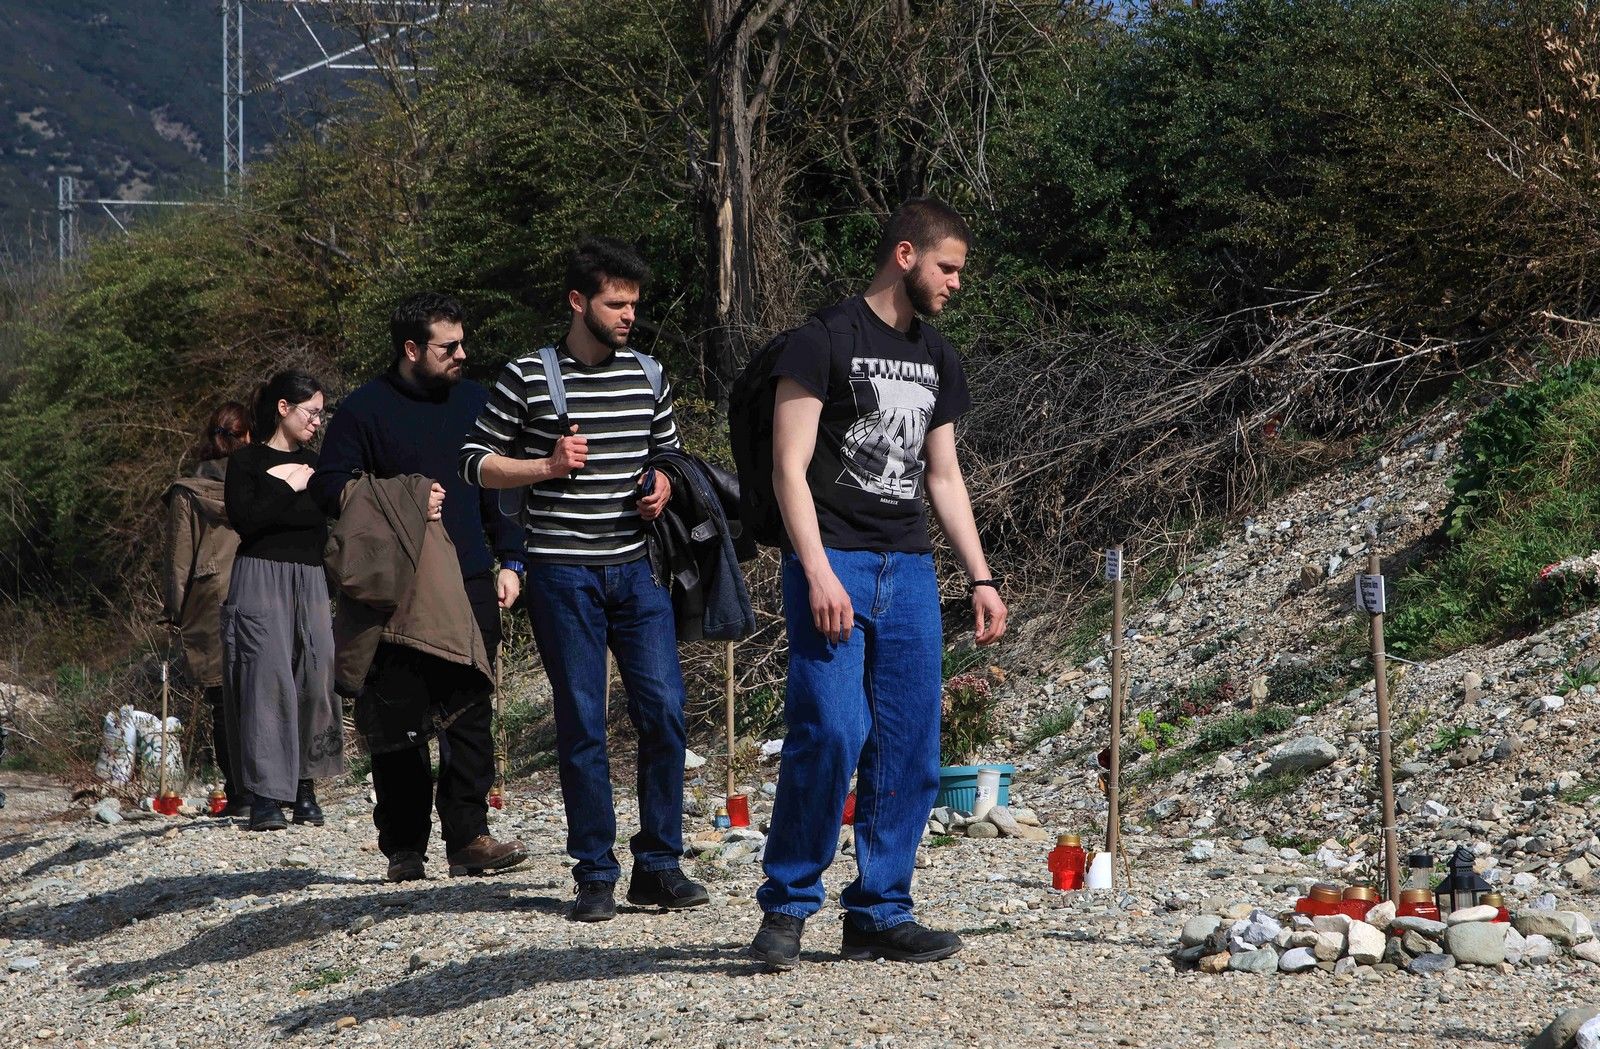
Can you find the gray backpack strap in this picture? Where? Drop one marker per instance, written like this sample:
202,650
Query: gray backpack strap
652,372
550,357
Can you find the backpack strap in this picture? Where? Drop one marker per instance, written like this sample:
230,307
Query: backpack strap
652,372
550,358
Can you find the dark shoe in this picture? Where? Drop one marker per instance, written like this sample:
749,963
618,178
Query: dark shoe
406,866
306,809
906,942
237,810
484,854
667,888
777,943
266,814
595,902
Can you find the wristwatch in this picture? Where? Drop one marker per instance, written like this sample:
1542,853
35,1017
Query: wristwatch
513,565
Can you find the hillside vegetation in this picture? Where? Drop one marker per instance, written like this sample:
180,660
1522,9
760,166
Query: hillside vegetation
1216,245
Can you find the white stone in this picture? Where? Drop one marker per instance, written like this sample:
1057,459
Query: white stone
1381,914
1364,943
1588,1036
1297,959
1482,913
691,760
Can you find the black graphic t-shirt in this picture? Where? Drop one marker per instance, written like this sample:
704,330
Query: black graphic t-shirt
882,391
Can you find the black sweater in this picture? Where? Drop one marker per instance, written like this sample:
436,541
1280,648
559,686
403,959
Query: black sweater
389,428
274,522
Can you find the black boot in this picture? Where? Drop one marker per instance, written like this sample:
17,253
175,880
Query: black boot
266,814
306,809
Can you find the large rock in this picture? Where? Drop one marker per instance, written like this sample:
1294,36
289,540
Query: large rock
108,811
1263,960
1589,1035
1306,754
1296,959
1477,943
1258,929
1381,915
1364,944
1516,946
1415,943
1564,1028
1483,913
1564,927
1588,951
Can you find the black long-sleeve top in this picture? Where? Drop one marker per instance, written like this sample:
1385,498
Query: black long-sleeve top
274,522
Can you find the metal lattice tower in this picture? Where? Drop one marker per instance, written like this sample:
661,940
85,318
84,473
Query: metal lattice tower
66,219
232,95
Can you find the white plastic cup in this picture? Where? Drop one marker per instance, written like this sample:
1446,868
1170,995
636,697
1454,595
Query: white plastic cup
1099,876
988,792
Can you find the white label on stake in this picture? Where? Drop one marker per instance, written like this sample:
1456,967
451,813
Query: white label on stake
1113,563
1370,596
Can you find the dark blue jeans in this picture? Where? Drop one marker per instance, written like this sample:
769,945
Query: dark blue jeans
577,612
869,705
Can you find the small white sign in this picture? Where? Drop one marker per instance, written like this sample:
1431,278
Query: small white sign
1370,595
1113,563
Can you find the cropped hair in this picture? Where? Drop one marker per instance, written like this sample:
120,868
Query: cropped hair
595,259
412,318
225,432
292,386
924,222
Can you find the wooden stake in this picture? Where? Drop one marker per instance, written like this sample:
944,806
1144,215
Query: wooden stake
161,775
1380,684
729,699
1113,774
499,720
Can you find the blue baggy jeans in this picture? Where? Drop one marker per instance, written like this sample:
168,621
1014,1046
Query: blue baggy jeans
577,611
868,705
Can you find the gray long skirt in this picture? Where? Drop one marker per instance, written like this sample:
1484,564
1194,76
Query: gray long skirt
283,718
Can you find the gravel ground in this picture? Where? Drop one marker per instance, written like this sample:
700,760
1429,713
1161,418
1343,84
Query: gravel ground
196,933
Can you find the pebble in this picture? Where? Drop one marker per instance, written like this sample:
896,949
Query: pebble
24,964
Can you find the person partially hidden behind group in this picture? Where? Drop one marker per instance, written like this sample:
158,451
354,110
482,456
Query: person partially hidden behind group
199,563
284,720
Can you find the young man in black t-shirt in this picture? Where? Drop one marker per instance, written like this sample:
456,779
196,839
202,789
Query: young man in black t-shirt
863,426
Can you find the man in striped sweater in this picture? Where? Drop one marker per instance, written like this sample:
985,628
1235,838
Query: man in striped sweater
580,473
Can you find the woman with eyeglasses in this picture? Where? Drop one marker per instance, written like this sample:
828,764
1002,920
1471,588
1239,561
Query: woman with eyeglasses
284,723
200,549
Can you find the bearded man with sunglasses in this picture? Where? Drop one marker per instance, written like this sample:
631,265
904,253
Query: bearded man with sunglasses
409,420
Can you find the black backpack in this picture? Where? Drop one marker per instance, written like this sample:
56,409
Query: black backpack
750,403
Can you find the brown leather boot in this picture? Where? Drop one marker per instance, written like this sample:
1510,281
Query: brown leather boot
485,855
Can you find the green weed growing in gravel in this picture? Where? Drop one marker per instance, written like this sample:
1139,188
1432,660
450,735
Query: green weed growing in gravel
326,976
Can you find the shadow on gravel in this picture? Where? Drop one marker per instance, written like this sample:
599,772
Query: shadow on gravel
81,850
16,845
461,985
304,920
106,912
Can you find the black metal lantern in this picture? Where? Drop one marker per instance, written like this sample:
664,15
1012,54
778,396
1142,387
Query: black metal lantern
1462,887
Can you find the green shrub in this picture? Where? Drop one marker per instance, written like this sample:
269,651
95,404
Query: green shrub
1238,729
1526,496
1297,684
968,723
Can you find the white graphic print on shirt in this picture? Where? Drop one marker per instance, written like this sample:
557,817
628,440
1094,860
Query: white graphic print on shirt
882,451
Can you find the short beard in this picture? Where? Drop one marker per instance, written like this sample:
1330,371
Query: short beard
924,299
605,335
445,377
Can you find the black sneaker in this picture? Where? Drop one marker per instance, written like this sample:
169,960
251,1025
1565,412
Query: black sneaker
407,866
595,902
667,888
777,943
906,942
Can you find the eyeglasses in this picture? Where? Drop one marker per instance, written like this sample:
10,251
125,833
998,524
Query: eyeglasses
450,347
311,416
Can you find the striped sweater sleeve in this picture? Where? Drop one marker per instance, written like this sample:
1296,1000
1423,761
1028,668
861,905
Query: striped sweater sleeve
497,426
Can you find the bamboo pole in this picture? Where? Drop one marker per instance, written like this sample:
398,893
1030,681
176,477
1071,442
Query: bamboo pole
728,673
1113,774
1380,684
499,719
